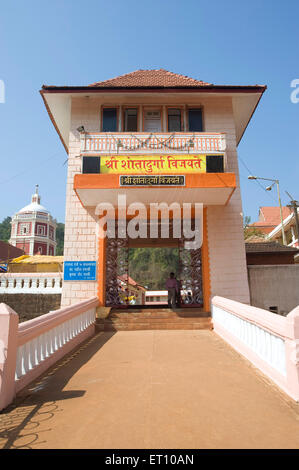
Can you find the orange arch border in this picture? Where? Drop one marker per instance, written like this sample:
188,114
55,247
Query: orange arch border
101,270
206,284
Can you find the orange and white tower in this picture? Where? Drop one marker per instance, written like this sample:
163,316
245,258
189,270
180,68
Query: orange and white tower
33,229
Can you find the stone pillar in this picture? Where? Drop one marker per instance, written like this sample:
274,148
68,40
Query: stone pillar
164,119
140,126
120,111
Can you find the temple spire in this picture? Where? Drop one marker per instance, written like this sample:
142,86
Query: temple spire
36,197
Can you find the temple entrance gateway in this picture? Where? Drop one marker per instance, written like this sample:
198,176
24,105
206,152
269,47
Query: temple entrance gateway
117,277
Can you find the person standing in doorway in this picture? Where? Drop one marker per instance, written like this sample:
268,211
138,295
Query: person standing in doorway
172,287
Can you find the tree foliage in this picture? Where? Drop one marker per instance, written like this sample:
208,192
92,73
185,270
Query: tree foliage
59,238
150,267
249,231
5,229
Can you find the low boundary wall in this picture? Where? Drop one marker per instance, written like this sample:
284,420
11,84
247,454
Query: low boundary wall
274,286
268,340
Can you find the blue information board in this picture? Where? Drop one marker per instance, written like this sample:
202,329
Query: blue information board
79,271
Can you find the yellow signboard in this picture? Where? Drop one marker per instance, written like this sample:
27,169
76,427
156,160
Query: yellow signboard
151,164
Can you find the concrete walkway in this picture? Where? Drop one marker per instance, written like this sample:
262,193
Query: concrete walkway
152,389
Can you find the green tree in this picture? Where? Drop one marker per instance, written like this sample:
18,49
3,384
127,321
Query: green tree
151,266
59,238
249,230
5,229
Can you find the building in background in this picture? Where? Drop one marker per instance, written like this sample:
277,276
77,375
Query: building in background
36,264
269,253
290,229
269,218
7,253
33,229
156,297
130,291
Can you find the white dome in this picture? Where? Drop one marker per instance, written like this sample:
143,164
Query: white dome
34,207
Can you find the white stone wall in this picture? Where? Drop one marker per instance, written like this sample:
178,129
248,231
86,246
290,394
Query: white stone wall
228,271
80,242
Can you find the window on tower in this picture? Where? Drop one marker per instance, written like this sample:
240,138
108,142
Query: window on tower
41,230
174,120
24,229
109,120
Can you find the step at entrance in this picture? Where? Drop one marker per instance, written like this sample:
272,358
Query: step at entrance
155,319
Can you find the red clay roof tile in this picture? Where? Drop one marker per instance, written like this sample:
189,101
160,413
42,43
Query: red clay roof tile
267,247
150,78
271,215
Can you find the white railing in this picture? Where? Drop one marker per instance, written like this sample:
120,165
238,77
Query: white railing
31,283
33,215
268,340
266,345
33,352
28,349
121,143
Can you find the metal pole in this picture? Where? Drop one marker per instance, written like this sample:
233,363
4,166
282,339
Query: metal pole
281,217
294,205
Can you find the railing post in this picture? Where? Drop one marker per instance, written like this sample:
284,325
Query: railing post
292,353
9,321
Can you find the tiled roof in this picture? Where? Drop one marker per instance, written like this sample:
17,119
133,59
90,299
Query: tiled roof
255,239
271,215
150,78
267,247
8,251
129,280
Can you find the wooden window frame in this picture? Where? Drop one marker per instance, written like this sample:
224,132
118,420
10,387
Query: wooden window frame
124,109
181,108
24,226
154,108
143,108
111,106
41,228
202,117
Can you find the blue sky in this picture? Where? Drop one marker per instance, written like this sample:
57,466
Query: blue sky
70,42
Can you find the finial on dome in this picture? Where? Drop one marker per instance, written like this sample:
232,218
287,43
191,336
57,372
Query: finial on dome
36,197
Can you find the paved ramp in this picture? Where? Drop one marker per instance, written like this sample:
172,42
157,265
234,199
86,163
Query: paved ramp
152,389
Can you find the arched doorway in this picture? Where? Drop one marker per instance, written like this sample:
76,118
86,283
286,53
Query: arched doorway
118,283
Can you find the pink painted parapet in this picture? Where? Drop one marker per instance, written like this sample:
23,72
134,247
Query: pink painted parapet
268,340
31,348
292,351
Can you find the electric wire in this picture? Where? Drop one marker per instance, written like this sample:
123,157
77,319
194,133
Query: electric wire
257,181
30,168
